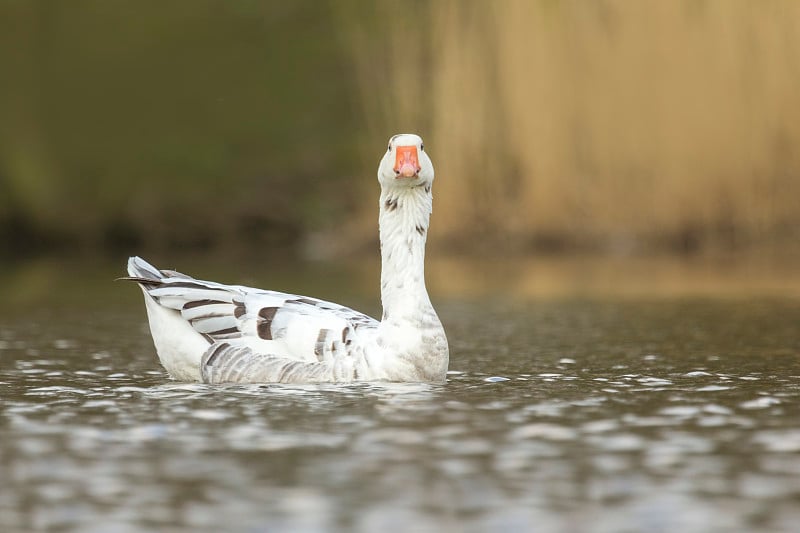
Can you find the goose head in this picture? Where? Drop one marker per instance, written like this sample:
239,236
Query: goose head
405,163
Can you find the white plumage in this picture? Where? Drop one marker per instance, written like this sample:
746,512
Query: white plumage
215,333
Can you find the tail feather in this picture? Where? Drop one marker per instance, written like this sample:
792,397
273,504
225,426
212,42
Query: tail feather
142,272
180,292
139,269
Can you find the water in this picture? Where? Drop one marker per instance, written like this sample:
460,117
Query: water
560,414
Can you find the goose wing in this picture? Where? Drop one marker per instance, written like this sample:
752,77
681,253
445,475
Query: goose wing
265,322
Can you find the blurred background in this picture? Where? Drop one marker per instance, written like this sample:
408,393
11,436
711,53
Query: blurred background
614,254
615,128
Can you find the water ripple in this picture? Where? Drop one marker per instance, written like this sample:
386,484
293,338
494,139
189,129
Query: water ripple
611,435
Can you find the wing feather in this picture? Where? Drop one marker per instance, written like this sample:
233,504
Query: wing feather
227,363
268,323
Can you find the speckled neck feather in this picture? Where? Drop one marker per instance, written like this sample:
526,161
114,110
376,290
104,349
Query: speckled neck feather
404,218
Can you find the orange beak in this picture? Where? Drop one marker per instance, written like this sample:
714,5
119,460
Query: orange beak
406,164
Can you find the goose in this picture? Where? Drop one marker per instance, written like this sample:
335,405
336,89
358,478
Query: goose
213,333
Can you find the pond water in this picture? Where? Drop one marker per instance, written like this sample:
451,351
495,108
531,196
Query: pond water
561,413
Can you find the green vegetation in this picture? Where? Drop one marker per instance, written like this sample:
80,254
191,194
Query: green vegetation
615,126
177,124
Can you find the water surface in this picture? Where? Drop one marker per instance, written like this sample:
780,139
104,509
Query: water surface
560,414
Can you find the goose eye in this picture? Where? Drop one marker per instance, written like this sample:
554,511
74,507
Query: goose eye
421,147
390,148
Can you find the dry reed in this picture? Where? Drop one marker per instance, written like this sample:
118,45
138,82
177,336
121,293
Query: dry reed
616,124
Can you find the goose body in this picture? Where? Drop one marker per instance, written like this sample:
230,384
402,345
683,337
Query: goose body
216,333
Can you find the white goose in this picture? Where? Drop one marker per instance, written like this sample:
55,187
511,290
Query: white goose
214,333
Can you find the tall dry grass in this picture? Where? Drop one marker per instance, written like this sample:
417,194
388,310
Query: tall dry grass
614,124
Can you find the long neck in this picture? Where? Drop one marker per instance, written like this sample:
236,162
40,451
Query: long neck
404,219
